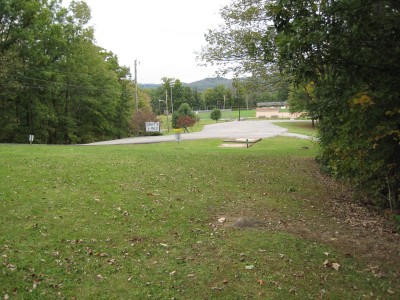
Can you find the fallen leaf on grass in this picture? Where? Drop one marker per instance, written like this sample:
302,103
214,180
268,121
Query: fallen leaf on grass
336,266
11,267
261,282
332,265
221,220
390,291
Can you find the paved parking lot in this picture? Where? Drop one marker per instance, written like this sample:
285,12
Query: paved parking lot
236,129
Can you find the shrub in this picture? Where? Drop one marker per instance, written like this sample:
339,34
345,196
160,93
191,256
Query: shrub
215,114
138,123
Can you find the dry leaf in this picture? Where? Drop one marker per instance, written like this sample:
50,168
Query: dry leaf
333,265
390,291
11,267
261,282
336,266
221,220
327,264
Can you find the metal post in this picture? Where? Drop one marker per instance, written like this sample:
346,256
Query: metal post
136,88
171,85
166,103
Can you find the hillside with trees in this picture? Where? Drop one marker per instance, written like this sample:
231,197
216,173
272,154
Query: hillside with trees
341,61
200,85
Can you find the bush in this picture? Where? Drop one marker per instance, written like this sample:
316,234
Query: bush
215,114
184,117
138,123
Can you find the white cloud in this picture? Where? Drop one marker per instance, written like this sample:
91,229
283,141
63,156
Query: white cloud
161,35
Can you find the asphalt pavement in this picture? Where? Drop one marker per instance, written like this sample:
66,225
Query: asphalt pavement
227,130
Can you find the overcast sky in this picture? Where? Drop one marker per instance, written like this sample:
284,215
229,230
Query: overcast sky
162,35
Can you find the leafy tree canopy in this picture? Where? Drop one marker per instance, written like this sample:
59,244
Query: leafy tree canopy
56,83
215,114
342,58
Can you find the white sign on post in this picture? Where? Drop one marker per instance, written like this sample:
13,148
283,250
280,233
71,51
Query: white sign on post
152,126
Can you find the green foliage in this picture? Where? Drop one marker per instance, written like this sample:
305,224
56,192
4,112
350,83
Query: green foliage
219,97
353,73
183,117
139,119
215,114
342,58
173,91
56,83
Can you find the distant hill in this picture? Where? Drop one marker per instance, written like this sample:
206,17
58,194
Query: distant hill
149,85
200,85
206,83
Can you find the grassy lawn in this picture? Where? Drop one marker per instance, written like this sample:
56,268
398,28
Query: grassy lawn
304,127
169,221
230,115
205,119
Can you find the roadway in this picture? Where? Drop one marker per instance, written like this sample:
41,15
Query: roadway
224,130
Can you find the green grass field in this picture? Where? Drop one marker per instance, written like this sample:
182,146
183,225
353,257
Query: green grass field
303,127
144,222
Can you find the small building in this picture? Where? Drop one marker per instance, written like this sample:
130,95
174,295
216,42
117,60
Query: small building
274,110
280,104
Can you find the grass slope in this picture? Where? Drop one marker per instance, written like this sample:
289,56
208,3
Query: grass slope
141,221
303,127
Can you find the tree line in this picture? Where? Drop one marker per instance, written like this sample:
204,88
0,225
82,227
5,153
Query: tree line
59,85
55,82
220,97
340,60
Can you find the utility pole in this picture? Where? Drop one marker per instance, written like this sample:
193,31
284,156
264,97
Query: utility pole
171,85
166,104
136,88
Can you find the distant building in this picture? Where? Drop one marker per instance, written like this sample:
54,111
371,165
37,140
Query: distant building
282,104
274,110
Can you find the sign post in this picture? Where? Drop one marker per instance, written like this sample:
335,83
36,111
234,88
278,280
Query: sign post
152,126
178,132
31,137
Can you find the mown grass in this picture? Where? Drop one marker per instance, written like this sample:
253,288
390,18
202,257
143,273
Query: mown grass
229,114
300,127
141,221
